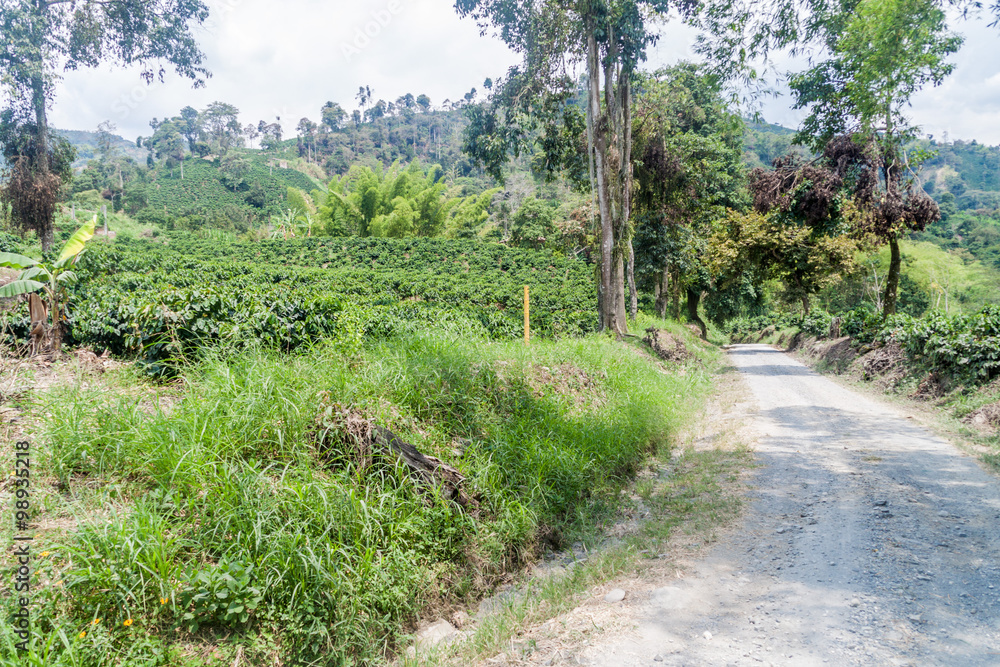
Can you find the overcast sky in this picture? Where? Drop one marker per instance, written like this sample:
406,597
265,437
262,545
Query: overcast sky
287,58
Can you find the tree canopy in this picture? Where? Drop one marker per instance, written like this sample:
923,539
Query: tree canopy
689,169
536,103
879,57
43,36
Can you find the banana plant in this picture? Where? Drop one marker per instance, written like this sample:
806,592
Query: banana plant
52,278
283,225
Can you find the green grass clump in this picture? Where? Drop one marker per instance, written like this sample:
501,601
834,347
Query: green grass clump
225,526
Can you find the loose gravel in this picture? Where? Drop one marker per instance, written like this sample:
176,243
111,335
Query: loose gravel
868,541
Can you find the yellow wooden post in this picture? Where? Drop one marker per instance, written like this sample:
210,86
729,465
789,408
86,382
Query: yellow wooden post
527,329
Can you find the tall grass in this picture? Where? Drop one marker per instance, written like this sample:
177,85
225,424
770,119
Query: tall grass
237,530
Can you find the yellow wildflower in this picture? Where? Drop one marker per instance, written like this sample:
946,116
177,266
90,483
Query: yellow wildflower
82,635
163,600
95,621
44,554
127,622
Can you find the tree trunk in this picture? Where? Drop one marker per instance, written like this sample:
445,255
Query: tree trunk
616,121
675,286
892,280
596,129
41,167
805,305
633,295
625,175
663,293
619,292
693,301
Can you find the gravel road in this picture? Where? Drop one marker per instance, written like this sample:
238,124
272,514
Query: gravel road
868,541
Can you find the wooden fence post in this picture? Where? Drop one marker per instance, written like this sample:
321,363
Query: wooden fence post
527,327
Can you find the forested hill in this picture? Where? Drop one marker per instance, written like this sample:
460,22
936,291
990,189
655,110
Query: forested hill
206,168
86,145
967,169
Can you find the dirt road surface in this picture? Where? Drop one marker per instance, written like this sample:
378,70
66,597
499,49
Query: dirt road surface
868,541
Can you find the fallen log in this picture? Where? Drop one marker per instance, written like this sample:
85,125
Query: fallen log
345,433
428,469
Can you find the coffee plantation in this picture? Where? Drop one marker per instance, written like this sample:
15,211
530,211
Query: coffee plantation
164,299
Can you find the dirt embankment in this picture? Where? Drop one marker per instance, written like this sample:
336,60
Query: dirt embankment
666,346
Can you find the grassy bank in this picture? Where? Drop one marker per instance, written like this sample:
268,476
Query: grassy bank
234,514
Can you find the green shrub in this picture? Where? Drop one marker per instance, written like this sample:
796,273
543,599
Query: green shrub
816,323
9,243
218,594
963,347
163,302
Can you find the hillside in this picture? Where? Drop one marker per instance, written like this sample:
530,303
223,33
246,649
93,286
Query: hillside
86,146
210,194
968,170
227,179
227,185
763,142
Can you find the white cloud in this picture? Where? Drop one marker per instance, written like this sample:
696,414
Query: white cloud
288,58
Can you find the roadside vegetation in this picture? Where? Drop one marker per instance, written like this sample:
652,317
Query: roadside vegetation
241,507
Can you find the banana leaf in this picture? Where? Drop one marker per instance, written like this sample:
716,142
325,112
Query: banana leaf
15,261
19,287
76,242
34,272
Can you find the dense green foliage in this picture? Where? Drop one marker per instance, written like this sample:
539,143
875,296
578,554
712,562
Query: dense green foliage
401,203
965,349
689,172
206,196
164,301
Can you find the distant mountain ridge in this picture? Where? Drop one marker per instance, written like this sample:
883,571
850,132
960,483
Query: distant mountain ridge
85,143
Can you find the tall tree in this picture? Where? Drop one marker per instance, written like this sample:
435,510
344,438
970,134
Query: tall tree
43,36
114,165
251,132
222,123
167,143
611,38
689,169
307,138
802,231
190,125
879,57
332,116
